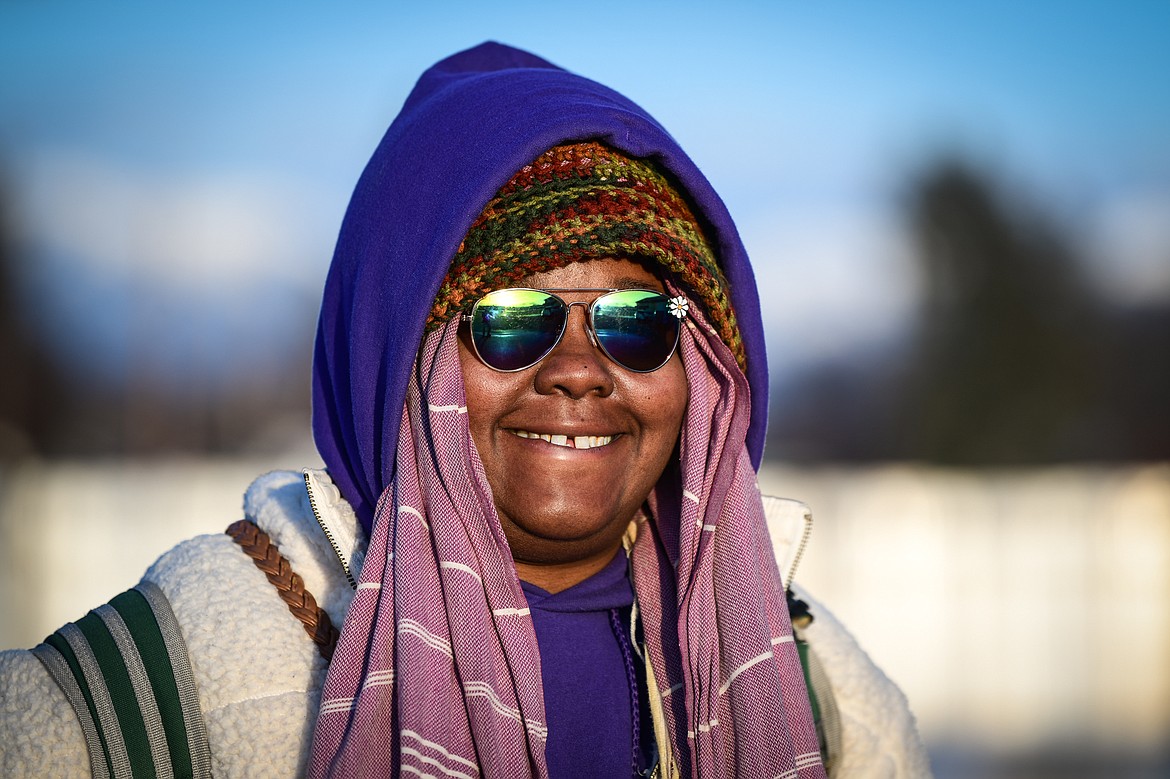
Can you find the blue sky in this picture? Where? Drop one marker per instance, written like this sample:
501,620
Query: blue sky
177,175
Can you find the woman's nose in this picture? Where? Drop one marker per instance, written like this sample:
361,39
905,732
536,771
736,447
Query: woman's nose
575,367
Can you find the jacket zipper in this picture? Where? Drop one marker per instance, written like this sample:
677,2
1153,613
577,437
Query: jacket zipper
327,532
804,536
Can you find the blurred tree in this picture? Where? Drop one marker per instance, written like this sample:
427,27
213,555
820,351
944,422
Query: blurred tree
32,391
1006,365
1013,358
1137,375
52,408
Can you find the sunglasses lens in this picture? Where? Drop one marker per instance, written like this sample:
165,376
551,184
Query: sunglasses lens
515,328
636,328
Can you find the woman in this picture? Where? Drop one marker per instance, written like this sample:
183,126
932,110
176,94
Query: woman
536,362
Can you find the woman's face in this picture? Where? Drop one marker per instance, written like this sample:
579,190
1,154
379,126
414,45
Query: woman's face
561,506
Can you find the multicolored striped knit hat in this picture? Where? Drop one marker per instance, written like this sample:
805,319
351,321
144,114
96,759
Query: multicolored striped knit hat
586,201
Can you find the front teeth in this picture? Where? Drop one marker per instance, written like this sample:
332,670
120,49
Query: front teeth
577,442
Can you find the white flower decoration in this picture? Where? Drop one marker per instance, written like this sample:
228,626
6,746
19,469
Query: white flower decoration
679,306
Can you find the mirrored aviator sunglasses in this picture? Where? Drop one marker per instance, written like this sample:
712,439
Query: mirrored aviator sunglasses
513,329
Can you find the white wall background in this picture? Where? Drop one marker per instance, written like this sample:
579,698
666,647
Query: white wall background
1019,610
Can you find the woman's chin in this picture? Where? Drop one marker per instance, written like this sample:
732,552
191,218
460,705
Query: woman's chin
568,536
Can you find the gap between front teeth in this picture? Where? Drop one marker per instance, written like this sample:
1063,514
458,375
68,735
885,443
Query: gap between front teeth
577,442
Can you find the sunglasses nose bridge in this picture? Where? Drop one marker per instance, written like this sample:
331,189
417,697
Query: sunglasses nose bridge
587,311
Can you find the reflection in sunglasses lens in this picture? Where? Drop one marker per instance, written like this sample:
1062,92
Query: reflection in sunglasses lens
636,328
514,328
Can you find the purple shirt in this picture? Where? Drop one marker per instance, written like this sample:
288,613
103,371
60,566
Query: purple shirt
586,693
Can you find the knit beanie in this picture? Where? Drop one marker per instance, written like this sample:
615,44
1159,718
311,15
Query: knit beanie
586,201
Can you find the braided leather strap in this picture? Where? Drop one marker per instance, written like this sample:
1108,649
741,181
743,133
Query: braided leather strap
257,545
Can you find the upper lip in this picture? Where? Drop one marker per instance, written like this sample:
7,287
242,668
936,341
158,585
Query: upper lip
566,430
568,420
560,424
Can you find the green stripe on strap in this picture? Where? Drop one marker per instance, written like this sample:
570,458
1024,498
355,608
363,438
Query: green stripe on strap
58,658
113,669
140,619
125,671
143,694
103,704
183,678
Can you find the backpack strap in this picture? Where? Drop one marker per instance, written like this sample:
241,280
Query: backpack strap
124,669
288,583
821,699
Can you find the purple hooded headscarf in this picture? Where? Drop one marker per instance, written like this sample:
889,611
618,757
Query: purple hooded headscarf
470,123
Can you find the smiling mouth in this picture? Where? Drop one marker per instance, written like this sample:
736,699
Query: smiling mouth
576,442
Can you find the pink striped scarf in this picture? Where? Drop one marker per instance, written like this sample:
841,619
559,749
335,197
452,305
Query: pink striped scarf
437,671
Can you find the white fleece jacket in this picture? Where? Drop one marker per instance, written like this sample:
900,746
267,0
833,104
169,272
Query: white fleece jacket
259,676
